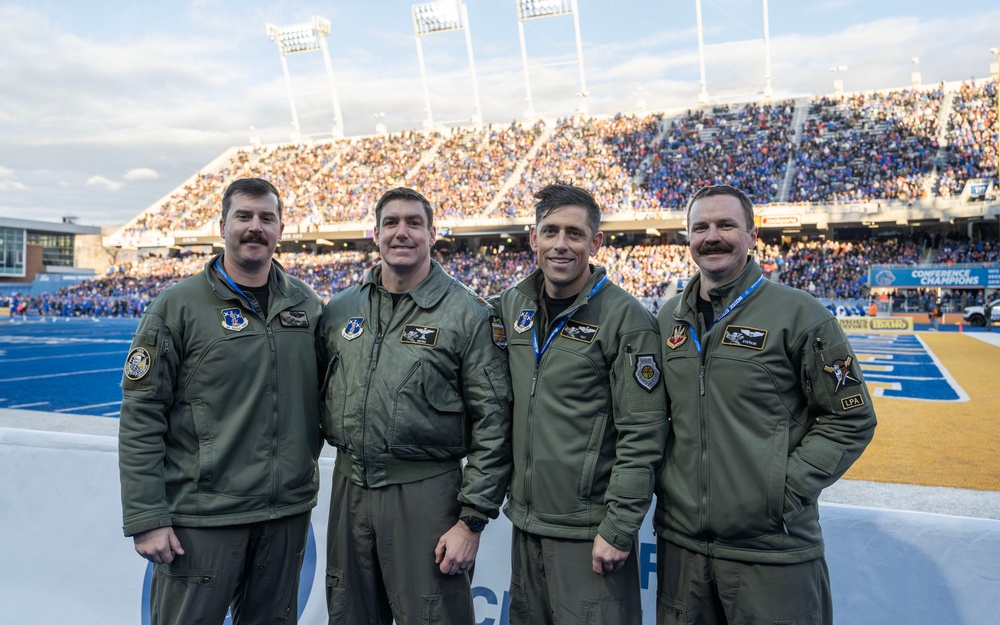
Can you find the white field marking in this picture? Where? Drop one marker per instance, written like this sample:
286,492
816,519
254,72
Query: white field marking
111,414
58,375
37,403
63,356
57,340
107,403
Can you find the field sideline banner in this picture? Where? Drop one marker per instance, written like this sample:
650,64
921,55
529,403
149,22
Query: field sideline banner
876,324
65,559
934,276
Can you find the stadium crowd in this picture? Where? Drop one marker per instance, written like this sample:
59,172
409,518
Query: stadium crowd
830,270
867,147
971,142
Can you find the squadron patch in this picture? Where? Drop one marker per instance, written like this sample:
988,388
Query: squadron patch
499,333
741,336
233,319
293,319
647,374
842,374
524,320
137,364
579,331
354,328
678,336
419,335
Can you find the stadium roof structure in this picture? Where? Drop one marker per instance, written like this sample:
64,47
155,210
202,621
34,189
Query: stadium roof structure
48,227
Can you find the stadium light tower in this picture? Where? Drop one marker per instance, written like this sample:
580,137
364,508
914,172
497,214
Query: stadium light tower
307,38
533,9
768,89
838,83
437,17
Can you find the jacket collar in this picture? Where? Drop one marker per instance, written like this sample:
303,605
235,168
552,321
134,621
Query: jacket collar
721,295
426,294
277,280
533,285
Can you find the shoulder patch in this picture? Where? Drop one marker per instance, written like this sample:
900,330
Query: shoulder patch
647,373
137,363
419,335
355,326
854,401
579,331
842,373
524,320
294,318
678,336
499,333
233,319
742,336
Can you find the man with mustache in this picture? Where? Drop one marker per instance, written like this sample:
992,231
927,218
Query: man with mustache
219,430
768,407
417,403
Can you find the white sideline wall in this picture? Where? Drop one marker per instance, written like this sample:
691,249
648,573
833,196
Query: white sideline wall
63,558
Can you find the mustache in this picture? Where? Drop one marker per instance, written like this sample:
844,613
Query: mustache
253,237
715,247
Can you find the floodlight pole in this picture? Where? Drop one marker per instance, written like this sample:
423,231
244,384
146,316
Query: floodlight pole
430,18
703,96
306,38
768,90
530,9
579,59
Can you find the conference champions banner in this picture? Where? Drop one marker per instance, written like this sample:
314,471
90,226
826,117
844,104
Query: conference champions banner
935,276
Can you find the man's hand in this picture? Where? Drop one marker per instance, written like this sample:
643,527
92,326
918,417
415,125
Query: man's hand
456,550
607,559
159,545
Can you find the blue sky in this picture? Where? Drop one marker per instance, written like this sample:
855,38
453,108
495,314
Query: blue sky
105,107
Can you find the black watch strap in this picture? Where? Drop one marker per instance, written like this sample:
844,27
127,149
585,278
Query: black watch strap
475,524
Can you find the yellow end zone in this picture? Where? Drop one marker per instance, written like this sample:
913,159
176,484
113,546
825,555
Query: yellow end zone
938,443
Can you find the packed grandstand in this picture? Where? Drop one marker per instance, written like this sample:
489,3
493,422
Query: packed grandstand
848,180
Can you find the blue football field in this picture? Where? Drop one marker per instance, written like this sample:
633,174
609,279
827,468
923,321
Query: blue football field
71,366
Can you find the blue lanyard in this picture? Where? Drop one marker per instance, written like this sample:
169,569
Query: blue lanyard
236,287
534,331
729,309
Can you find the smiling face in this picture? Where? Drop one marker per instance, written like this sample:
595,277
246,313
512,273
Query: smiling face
563,244
404,236
720,239
251,231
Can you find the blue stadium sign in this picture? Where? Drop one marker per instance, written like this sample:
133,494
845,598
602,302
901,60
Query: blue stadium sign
935,276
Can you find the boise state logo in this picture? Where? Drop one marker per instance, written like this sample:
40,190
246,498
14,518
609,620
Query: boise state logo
524,319
354,328
233,319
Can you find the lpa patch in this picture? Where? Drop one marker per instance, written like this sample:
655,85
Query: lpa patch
233,319
854,401
647,374
137,363
524,319
419,335
741,336
499,333
842,374
293,319
355,326
579,331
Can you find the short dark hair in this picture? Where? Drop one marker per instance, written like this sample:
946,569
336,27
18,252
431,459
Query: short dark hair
403,193
724,189
250,187
559,194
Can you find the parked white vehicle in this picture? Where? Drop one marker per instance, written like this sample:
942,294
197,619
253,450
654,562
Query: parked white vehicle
974,315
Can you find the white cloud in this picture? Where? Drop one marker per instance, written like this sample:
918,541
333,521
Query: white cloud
9,181
141,173
101,181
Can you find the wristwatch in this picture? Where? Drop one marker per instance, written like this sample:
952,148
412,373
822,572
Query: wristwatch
476,524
